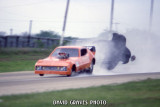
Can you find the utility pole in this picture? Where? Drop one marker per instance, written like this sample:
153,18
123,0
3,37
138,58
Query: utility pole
64,23
30,27
11,31
111,17
151,15
30,31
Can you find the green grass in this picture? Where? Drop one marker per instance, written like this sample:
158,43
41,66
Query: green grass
134,94
20,59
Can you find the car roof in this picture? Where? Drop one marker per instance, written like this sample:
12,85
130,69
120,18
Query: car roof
77,47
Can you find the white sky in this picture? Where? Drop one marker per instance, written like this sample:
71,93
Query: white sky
86,18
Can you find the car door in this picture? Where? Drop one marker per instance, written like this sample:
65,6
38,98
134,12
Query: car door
84,58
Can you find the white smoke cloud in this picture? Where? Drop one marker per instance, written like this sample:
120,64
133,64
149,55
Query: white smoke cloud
144,45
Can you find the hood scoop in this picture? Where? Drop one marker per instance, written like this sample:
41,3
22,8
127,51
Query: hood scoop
63,55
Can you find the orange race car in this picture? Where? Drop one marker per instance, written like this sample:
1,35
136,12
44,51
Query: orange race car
67,60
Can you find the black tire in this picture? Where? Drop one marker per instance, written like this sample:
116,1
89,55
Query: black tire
41,74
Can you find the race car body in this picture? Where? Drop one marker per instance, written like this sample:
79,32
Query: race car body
66,60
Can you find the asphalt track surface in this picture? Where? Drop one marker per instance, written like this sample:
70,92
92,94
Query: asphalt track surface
28,82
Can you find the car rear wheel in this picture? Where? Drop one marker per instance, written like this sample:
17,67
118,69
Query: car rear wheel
90,68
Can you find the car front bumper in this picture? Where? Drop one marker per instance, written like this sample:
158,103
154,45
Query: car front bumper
68,72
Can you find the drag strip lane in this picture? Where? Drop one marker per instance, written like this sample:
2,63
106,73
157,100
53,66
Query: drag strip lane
28,82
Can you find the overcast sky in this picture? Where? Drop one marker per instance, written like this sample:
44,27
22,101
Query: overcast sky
86,18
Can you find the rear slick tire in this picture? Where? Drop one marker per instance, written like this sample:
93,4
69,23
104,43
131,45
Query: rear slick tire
90,71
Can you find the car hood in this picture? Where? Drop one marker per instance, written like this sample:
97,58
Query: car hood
53,61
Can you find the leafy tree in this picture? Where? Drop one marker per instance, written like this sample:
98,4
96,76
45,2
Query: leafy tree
70,38
48,34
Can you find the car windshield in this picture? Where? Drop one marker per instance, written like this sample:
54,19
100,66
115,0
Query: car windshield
71,52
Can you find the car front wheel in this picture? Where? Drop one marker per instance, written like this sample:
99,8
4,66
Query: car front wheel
41,74
73,72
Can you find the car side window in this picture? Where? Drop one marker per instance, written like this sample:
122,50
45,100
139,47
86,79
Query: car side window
83,52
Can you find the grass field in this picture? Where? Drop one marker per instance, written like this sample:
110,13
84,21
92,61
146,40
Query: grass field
20,59
134,94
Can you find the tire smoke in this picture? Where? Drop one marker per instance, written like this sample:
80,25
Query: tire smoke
144,45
